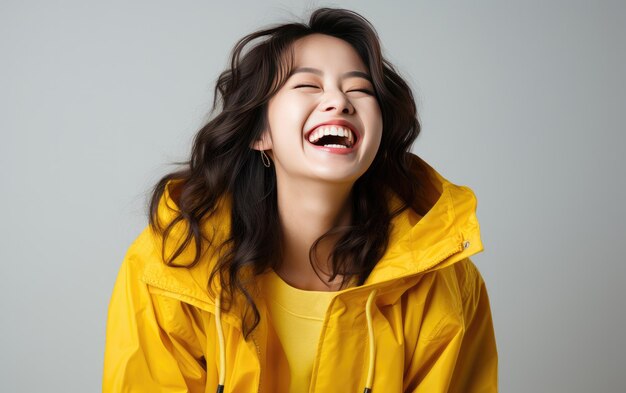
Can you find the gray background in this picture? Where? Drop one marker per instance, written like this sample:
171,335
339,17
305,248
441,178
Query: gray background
521,101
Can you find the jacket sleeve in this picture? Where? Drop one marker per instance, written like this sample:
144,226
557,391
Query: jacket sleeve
152,343
459,357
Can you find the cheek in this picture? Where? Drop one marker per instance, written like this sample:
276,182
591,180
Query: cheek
285,112
375,120
286,119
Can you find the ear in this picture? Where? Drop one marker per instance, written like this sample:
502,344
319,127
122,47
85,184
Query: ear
264,142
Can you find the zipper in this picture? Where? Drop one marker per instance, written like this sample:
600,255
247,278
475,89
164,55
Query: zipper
258,350
459,248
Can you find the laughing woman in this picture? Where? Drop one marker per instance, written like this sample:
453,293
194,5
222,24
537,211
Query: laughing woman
303,248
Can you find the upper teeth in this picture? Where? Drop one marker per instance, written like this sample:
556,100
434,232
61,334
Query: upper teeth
331,130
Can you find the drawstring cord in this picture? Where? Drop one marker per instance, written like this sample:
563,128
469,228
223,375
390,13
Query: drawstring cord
372,342
220,339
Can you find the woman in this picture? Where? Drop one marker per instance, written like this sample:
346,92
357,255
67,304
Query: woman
303,247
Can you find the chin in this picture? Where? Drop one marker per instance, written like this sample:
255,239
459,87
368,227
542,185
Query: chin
339,177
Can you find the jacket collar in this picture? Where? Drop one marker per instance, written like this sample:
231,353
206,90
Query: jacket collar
447,233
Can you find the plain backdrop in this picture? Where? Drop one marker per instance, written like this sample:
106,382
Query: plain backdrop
521,101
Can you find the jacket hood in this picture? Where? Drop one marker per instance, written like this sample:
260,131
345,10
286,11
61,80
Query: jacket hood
447,233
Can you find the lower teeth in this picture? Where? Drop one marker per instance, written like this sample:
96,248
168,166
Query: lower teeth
333,145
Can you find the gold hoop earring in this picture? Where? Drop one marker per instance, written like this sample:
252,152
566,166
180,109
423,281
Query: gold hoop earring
265,159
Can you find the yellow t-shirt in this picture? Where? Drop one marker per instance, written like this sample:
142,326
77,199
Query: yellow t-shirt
297,316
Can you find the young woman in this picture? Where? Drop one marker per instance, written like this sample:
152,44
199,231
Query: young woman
303,248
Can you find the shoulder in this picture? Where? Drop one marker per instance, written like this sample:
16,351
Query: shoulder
471,289
141,252
468,276
444,297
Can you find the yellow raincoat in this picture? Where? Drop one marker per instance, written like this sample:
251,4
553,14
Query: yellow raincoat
420,323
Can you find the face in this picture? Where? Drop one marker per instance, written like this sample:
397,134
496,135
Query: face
329,83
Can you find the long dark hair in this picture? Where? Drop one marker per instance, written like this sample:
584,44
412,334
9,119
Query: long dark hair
223,163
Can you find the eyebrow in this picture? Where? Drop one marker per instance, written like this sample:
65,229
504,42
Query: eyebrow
349,74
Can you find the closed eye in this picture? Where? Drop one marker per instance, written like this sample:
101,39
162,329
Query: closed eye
366,91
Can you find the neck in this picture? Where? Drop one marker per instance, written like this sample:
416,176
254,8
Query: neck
308,209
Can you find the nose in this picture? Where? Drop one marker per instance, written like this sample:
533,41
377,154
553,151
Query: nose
337,101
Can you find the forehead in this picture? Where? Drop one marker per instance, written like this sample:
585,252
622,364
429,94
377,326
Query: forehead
323,52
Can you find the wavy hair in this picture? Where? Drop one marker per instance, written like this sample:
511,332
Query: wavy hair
222,163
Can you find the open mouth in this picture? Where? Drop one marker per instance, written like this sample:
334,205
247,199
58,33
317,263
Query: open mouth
333,136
